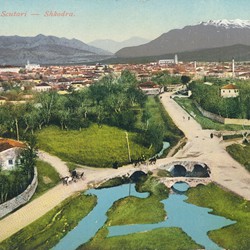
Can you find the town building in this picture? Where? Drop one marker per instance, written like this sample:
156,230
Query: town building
150,88
42,87
229,91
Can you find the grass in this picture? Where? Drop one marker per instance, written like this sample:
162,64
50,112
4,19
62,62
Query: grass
240,153
229,205
131,210
47,178
160,239
205,123
163,173
93,146
50,228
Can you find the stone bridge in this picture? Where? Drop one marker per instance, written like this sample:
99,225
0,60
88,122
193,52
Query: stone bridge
187,169
191,181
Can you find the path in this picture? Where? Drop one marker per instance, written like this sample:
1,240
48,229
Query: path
200,147
225,171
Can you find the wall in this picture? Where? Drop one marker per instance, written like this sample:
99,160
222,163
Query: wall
210,115
21,199
223,120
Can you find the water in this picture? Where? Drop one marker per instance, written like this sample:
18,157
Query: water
89,225
195,221
164,146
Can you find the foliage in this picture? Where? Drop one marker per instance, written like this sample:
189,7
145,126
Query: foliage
110,100
164,79
12,183
240,153
208,97
163,173
206,123
157,125
222,203
185,79
50,228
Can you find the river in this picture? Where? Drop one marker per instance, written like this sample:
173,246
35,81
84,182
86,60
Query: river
195,221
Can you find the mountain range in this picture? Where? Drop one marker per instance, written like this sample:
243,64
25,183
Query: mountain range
206,41
41,49
114,46
205,35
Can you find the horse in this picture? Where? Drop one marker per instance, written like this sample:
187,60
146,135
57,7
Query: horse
64,180
152,160
81,175
69,180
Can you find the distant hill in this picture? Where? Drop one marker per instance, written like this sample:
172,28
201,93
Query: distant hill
205,35
221,54
114,46
42,49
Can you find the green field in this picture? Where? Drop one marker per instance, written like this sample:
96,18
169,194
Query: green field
205,123
231,206
240,153
93,146
46,232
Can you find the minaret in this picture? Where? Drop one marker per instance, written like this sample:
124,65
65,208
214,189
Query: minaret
195,65
233,73
176,59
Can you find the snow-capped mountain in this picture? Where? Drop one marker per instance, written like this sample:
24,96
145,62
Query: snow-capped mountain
205,35
237,23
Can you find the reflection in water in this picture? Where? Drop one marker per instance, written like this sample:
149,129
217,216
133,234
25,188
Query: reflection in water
195,221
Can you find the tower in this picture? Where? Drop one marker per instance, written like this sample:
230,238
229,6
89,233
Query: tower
176,59
233,73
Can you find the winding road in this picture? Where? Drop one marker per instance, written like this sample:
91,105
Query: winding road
200,147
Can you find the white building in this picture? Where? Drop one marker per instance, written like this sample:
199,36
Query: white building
150,88
9,152
42,87
229,91
29,66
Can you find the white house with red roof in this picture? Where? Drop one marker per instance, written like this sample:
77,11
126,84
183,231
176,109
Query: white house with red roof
229,91
151,88
9,152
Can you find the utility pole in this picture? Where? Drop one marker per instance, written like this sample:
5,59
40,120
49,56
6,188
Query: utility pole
129,157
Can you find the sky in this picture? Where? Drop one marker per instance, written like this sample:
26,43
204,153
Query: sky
113,19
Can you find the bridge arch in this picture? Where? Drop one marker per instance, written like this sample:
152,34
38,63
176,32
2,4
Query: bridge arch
135,177
200,171
178,170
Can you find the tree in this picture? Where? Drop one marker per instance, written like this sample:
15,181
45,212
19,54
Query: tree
27,157
47,103
185,79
